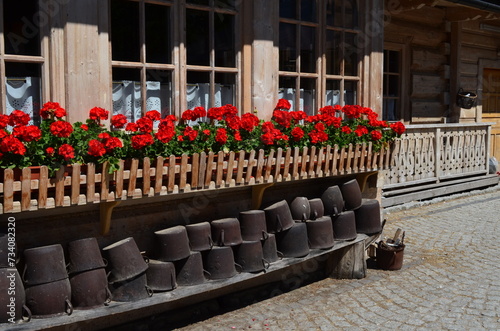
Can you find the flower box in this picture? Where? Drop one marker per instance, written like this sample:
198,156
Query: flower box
142,178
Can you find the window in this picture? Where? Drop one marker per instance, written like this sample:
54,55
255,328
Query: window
306,64
298,53
142,53
392,85
211,56
173,55
22,61
395,106
341,54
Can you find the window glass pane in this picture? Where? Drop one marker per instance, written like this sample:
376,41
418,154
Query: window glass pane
127,93
288,51
125,31
198,89
231,4
157,22
389,110
350,93
334,12
224,40
393,61
332,93
308,95
393,85
197,37
308,49
351,14
199,2
308,10
23,89
21,27
350,55
159,91
288,8
333,52
287,90
225,84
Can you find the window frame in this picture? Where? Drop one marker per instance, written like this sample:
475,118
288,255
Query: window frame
212,69
42,60
321,75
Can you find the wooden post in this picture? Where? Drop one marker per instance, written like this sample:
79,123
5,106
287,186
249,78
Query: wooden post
348,262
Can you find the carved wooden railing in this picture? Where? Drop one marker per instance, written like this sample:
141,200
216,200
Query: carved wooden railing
432,153
81,184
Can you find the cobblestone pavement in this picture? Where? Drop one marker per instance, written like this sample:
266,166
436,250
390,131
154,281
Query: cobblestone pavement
449,280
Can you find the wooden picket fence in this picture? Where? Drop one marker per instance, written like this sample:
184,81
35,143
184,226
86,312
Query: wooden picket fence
81,184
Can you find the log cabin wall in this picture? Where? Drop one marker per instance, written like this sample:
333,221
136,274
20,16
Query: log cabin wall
421,36
479,68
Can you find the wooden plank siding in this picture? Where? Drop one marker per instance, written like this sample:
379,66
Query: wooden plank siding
424,31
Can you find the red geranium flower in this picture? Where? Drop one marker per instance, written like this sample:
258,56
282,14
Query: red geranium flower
190,133
84,127
376,135
283,105
18,117
229,111
50,151
112,143
297,133
61,129
361,130
144,125
4,121
215,113
237,136
98,113
188,115
221,136
52,108
142,140
132,127
165,135
119,121
249,121
96,148
27,133
153,115
234,123
398,127
11,144
346,129
199,112
66,151
283,118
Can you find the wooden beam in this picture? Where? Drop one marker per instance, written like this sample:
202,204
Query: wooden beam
460,14
405,5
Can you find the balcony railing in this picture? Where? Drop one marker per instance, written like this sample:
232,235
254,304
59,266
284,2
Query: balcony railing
433,153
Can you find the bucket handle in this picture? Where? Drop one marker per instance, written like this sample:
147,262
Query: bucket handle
109,297
239,267
69,307
266,264
149,290
265,235
28,314
172,280
280,255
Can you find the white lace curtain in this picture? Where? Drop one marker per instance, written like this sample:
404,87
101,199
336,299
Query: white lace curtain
199,95
23,93
127,98
306,99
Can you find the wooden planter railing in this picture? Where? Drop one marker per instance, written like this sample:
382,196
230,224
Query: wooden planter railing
81,184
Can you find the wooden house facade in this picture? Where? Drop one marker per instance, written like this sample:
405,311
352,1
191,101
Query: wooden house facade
405,59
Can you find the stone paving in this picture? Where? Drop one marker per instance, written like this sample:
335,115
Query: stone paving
449,280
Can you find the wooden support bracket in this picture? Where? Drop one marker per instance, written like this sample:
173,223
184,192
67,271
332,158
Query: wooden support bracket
258,193
362,178
105,215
